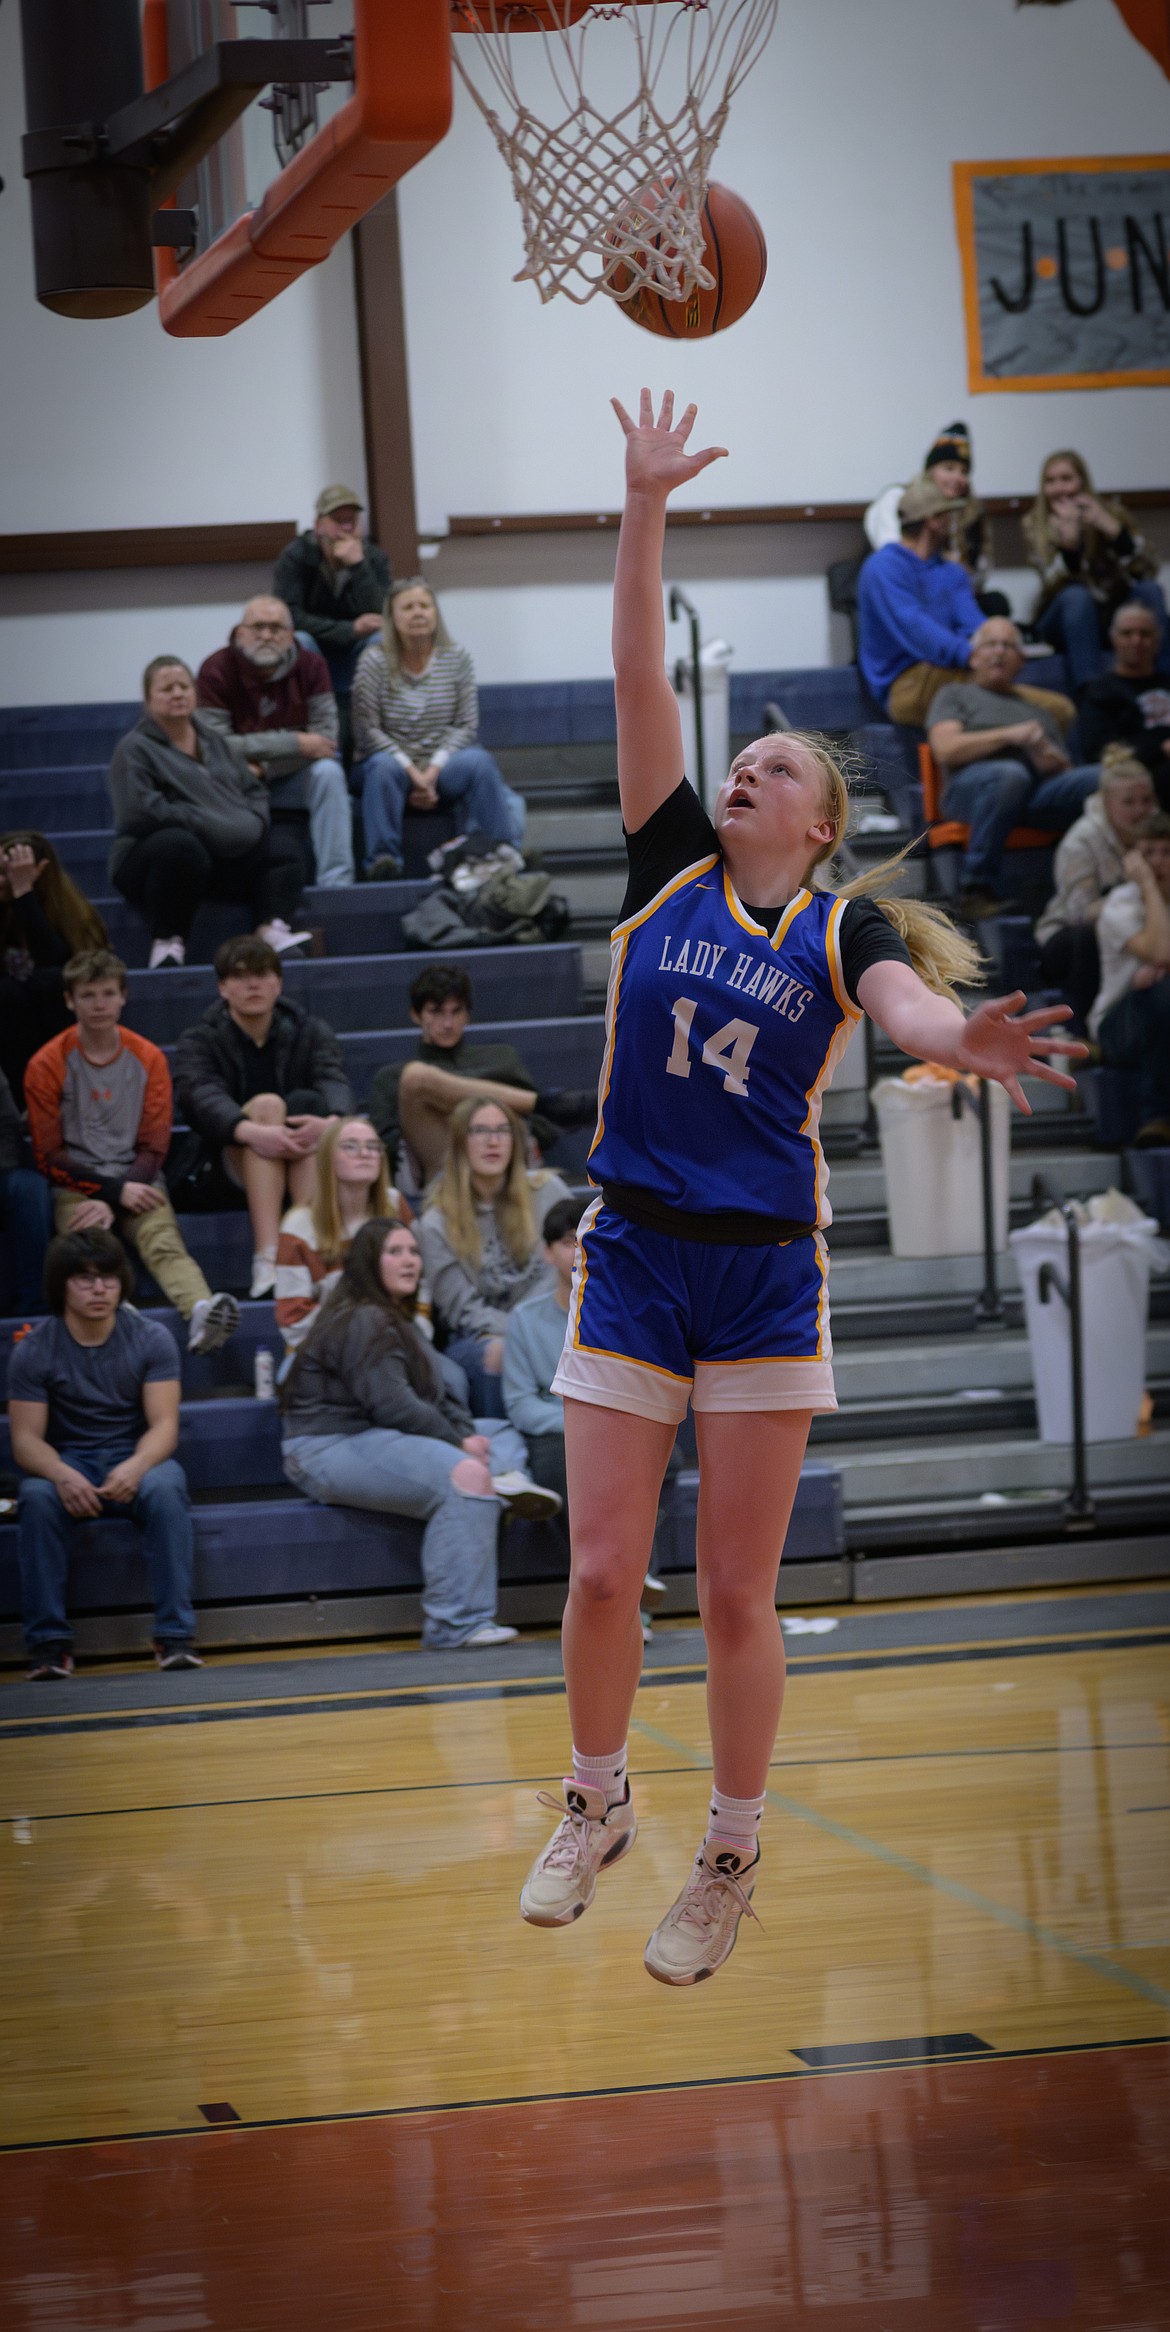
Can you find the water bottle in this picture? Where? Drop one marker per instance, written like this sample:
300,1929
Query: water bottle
264,1374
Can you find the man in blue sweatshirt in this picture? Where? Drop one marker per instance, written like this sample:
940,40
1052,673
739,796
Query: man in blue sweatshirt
916,611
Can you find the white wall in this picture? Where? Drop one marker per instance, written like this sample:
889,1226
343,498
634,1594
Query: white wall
831,387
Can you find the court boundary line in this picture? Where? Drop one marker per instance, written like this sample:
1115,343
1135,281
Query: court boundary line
535,1688
293,2121
397,1789
892,1858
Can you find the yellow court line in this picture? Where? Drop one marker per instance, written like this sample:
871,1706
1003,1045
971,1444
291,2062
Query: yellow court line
875,1656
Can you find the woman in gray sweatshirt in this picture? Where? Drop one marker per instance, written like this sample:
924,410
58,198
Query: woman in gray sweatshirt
194,823
373,1418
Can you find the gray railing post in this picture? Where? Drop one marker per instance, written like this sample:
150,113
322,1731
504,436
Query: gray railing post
1079,1511
681,605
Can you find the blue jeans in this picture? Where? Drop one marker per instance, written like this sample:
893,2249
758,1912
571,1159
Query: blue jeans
320,788
469,778
993,796
409,1473
1073,620
26,1213
485,1392
161,1511
1135,1034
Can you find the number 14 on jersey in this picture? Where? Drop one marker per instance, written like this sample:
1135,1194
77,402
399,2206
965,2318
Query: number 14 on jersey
727,1049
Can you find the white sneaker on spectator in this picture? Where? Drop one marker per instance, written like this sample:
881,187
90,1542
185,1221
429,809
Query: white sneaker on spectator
521,1496
213,1320
492,1633
279,936
263,1277
167,951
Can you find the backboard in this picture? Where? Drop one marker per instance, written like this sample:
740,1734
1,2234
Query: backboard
303,164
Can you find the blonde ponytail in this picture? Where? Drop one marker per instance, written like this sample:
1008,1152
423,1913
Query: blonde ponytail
945,958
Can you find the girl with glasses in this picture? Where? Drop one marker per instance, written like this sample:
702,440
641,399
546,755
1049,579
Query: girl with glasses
353,1186
481,1241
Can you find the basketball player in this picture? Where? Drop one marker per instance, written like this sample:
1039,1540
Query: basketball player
736,984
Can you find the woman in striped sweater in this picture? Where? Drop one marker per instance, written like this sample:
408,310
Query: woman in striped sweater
415,715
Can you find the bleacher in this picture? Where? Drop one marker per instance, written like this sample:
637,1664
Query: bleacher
979,1504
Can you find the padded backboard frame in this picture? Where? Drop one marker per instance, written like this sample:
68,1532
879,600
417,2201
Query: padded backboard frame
399,110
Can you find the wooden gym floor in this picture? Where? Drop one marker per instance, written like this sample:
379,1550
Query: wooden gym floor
277,2051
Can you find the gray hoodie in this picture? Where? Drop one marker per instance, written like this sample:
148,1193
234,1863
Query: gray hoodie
153,785
1087,864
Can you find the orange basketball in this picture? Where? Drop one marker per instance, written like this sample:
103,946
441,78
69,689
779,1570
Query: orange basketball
734,252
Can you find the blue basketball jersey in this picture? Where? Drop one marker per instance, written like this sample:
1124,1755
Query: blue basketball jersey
720,1042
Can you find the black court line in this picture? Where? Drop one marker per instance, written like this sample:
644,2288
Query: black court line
538,1688
981,2054
407,1789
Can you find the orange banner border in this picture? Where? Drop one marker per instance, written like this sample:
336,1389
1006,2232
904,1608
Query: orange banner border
963,175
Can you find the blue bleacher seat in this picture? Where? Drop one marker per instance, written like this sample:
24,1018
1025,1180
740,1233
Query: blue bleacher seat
816,1532
1115,1093
368,992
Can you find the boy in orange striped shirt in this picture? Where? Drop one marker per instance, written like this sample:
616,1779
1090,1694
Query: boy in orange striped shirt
99,1116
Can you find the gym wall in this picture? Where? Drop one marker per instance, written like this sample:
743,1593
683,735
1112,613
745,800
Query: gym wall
830,388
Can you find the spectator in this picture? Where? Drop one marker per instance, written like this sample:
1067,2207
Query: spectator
274,701
259,1080
1090,559
372,1420
99,1108
1001,752
533,1342
480,1240
916,612
415,715
353,1186
968,543
411,1102
334,581
1088,865
1131,1017
93,1407
44,919
193,825
1130,704
26,1208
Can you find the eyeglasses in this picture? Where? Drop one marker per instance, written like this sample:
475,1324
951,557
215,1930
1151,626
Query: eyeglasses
360,1149
489,1133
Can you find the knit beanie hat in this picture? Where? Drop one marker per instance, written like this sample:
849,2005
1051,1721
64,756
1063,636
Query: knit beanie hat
953,444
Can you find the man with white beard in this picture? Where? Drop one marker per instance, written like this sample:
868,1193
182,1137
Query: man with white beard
272,700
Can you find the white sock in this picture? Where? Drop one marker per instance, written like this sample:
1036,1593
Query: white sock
604,1773
735,1823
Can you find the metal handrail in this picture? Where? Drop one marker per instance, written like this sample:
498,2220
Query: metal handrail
989,1303
681,605
1079,1510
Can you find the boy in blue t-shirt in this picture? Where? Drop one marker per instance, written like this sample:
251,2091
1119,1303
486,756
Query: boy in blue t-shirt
93,1408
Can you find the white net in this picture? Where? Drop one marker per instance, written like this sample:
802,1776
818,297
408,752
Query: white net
610,180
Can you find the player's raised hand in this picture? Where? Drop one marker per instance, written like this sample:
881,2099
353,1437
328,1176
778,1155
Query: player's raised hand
656,457
1001,1042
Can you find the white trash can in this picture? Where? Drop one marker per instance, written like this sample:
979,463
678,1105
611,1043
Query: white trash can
1116,1261
714,660
931,1159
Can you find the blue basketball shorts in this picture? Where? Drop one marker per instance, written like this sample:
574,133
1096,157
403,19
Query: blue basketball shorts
656,1321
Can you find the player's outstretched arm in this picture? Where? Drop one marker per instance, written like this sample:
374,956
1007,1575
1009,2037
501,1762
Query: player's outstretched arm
997,1040
650,754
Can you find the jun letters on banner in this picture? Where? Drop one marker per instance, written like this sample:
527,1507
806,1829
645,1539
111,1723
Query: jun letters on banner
1066,272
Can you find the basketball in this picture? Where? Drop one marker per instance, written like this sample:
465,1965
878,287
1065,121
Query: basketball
734,252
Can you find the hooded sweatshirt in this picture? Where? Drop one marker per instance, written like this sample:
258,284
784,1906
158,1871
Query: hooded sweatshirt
265,711
1088,863
152,785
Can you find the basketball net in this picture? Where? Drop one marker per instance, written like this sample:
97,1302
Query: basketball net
610,201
